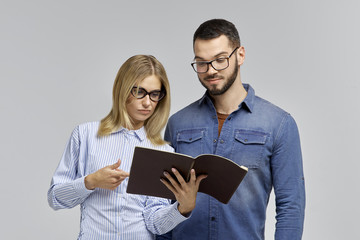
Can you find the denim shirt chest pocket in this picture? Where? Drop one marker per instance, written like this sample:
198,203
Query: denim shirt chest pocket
248,147
190,141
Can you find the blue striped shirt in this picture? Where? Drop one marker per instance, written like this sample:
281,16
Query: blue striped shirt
109,214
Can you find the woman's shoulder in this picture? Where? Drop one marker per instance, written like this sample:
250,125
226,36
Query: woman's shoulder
164,147
168,148
87,128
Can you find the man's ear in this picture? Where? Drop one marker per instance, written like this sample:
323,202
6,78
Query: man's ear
240,55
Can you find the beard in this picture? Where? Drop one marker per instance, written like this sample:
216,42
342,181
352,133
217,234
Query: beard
213,90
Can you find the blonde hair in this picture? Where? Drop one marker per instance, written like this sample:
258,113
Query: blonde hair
134,70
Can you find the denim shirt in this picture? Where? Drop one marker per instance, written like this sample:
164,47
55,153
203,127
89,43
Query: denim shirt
260,136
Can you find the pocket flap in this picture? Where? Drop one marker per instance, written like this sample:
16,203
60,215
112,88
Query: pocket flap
250,137
189,136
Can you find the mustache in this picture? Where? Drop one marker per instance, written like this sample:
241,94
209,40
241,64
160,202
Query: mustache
210,77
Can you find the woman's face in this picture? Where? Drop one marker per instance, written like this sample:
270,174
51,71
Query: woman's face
141,109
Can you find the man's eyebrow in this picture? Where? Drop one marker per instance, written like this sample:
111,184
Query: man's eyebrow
216,56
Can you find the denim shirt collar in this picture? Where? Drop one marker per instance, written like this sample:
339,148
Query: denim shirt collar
247,104
139,133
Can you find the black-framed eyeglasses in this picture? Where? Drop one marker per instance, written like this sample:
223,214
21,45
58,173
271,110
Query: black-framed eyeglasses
218,64
155,96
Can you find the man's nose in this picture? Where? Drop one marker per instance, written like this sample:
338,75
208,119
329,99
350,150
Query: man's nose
211,70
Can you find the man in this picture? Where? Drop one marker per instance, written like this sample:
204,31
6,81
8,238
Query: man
231,121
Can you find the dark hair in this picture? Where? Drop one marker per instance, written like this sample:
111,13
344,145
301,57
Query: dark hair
215,28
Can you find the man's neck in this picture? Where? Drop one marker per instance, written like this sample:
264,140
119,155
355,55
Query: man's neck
229,101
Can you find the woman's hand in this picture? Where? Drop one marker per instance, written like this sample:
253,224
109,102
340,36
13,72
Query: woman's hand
109,177
185,192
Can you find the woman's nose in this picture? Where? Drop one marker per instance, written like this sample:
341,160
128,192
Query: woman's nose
146,101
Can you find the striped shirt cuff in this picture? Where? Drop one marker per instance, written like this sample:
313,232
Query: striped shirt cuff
175,212
79,187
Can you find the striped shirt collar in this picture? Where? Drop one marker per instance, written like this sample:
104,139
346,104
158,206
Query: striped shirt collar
139,133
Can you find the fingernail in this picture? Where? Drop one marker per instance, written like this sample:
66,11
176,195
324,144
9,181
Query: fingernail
165,173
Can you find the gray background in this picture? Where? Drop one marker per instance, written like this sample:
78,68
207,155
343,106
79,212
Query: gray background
58,61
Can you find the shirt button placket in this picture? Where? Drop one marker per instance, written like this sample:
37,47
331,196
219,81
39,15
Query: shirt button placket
213,231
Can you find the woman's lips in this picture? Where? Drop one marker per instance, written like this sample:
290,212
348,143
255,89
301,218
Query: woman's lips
144,111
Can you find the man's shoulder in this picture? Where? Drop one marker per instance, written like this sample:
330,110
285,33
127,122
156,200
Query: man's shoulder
261,106
265,106
267,113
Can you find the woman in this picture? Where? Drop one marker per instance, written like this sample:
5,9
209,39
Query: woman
94,168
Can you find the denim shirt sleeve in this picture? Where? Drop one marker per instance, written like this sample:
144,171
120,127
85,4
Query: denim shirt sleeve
167,135
288,181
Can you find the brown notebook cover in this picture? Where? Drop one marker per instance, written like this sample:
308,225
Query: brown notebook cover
148,166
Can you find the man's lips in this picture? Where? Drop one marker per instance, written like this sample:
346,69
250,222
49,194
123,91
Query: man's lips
213,79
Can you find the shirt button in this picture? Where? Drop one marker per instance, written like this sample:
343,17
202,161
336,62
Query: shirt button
212,218
221,141
214,140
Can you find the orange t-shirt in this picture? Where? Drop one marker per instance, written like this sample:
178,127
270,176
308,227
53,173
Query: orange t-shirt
221,119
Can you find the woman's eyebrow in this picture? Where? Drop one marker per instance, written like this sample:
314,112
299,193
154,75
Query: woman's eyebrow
146,89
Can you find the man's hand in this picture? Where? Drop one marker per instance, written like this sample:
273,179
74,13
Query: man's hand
185,192
109,177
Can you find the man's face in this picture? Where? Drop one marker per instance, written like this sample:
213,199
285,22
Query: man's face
217,82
